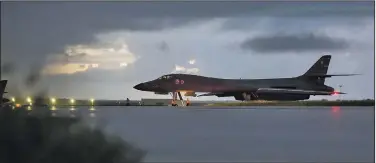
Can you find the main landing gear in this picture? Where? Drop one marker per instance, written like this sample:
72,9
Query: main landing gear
249,97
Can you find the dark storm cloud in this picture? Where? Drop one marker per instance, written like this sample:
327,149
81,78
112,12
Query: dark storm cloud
287,43
40,28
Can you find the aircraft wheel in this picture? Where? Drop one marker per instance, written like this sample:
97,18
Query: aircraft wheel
247,97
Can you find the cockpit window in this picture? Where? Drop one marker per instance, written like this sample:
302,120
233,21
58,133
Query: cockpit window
165,77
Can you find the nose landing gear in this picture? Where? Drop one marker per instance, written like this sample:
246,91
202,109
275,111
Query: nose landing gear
174,99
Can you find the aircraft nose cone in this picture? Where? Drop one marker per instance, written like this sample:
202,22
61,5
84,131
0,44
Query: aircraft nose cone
139,86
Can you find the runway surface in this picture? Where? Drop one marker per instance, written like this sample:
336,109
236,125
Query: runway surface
240,134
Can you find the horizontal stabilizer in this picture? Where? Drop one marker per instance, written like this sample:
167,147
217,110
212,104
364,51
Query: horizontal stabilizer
329,75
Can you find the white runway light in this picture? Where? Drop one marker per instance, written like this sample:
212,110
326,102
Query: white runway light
72,101
53,100
28,99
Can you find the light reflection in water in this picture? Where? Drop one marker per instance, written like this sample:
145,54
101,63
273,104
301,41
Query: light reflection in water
72,109
53,108
92,112
92,115
92,108
336,111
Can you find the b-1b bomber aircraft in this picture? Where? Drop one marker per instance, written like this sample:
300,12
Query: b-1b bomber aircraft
279,89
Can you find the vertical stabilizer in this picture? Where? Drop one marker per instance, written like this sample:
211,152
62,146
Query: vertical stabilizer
318,70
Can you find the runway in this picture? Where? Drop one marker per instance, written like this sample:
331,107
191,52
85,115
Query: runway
240,134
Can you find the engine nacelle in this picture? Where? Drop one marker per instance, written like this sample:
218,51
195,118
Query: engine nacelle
193,94
245,97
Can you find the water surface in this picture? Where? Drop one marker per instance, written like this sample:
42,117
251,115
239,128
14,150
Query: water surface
246,134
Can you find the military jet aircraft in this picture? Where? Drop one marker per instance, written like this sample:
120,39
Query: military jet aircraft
281,89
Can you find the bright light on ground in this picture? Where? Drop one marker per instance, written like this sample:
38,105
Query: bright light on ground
53,100
28,99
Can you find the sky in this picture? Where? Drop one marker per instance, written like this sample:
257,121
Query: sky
102,49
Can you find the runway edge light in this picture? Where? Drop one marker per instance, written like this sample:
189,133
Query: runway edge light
72,101
53,100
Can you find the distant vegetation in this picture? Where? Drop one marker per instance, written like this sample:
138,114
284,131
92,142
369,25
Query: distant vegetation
44,139
367,102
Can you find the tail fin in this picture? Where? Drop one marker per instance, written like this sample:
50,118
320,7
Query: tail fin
318,70
3,84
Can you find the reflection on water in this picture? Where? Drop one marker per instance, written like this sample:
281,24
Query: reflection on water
53,108
92,115
55,111
332,134
92,112
336,111
92,108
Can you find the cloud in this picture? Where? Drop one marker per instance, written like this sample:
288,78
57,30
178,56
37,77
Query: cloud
181,69
295,43
163,47
64,68
80,58
57,25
